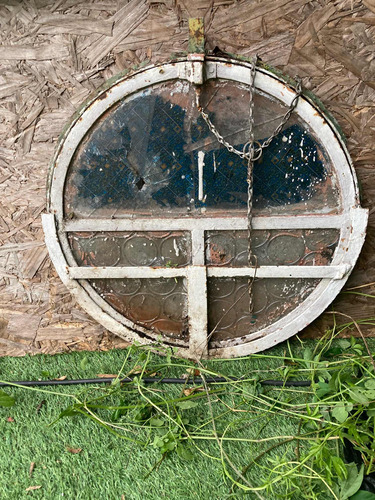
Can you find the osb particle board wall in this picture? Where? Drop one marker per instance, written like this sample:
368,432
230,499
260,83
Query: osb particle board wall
54,53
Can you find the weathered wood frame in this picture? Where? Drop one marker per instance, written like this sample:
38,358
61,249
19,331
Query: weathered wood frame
351,222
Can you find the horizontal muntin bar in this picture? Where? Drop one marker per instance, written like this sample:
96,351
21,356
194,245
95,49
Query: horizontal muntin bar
330,272
206,223
126,272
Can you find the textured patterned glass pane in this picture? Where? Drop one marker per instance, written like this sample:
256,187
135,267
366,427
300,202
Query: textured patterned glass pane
309,247
228,305
169,249
159,304
142,157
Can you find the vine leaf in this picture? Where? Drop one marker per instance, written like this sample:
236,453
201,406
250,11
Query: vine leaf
6,400
352,483
340,413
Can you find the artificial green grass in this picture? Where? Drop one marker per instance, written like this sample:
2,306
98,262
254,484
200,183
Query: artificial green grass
108,467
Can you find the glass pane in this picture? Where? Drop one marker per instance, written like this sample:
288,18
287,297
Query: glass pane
168,249
309,247
142,157
228,305
159,304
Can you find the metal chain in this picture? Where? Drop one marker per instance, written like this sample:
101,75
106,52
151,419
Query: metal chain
249,146
287,115
251,153
215,132
259,150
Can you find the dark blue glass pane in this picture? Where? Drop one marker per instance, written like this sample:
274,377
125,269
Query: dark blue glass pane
143,156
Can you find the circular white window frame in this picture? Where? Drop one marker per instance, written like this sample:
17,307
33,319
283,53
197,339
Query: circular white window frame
351,221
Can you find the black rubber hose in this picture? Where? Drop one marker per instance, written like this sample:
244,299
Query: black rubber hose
151,380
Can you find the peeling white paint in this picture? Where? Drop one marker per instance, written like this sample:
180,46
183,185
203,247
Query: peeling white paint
175,246
200,174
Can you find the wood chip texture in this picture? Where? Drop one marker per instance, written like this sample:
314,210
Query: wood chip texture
55,53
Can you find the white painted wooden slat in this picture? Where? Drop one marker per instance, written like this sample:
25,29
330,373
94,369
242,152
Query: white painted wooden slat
197,311
86,273
207,223
332,272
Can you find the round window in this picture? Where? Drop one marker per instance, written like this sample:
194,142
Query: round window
148,211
